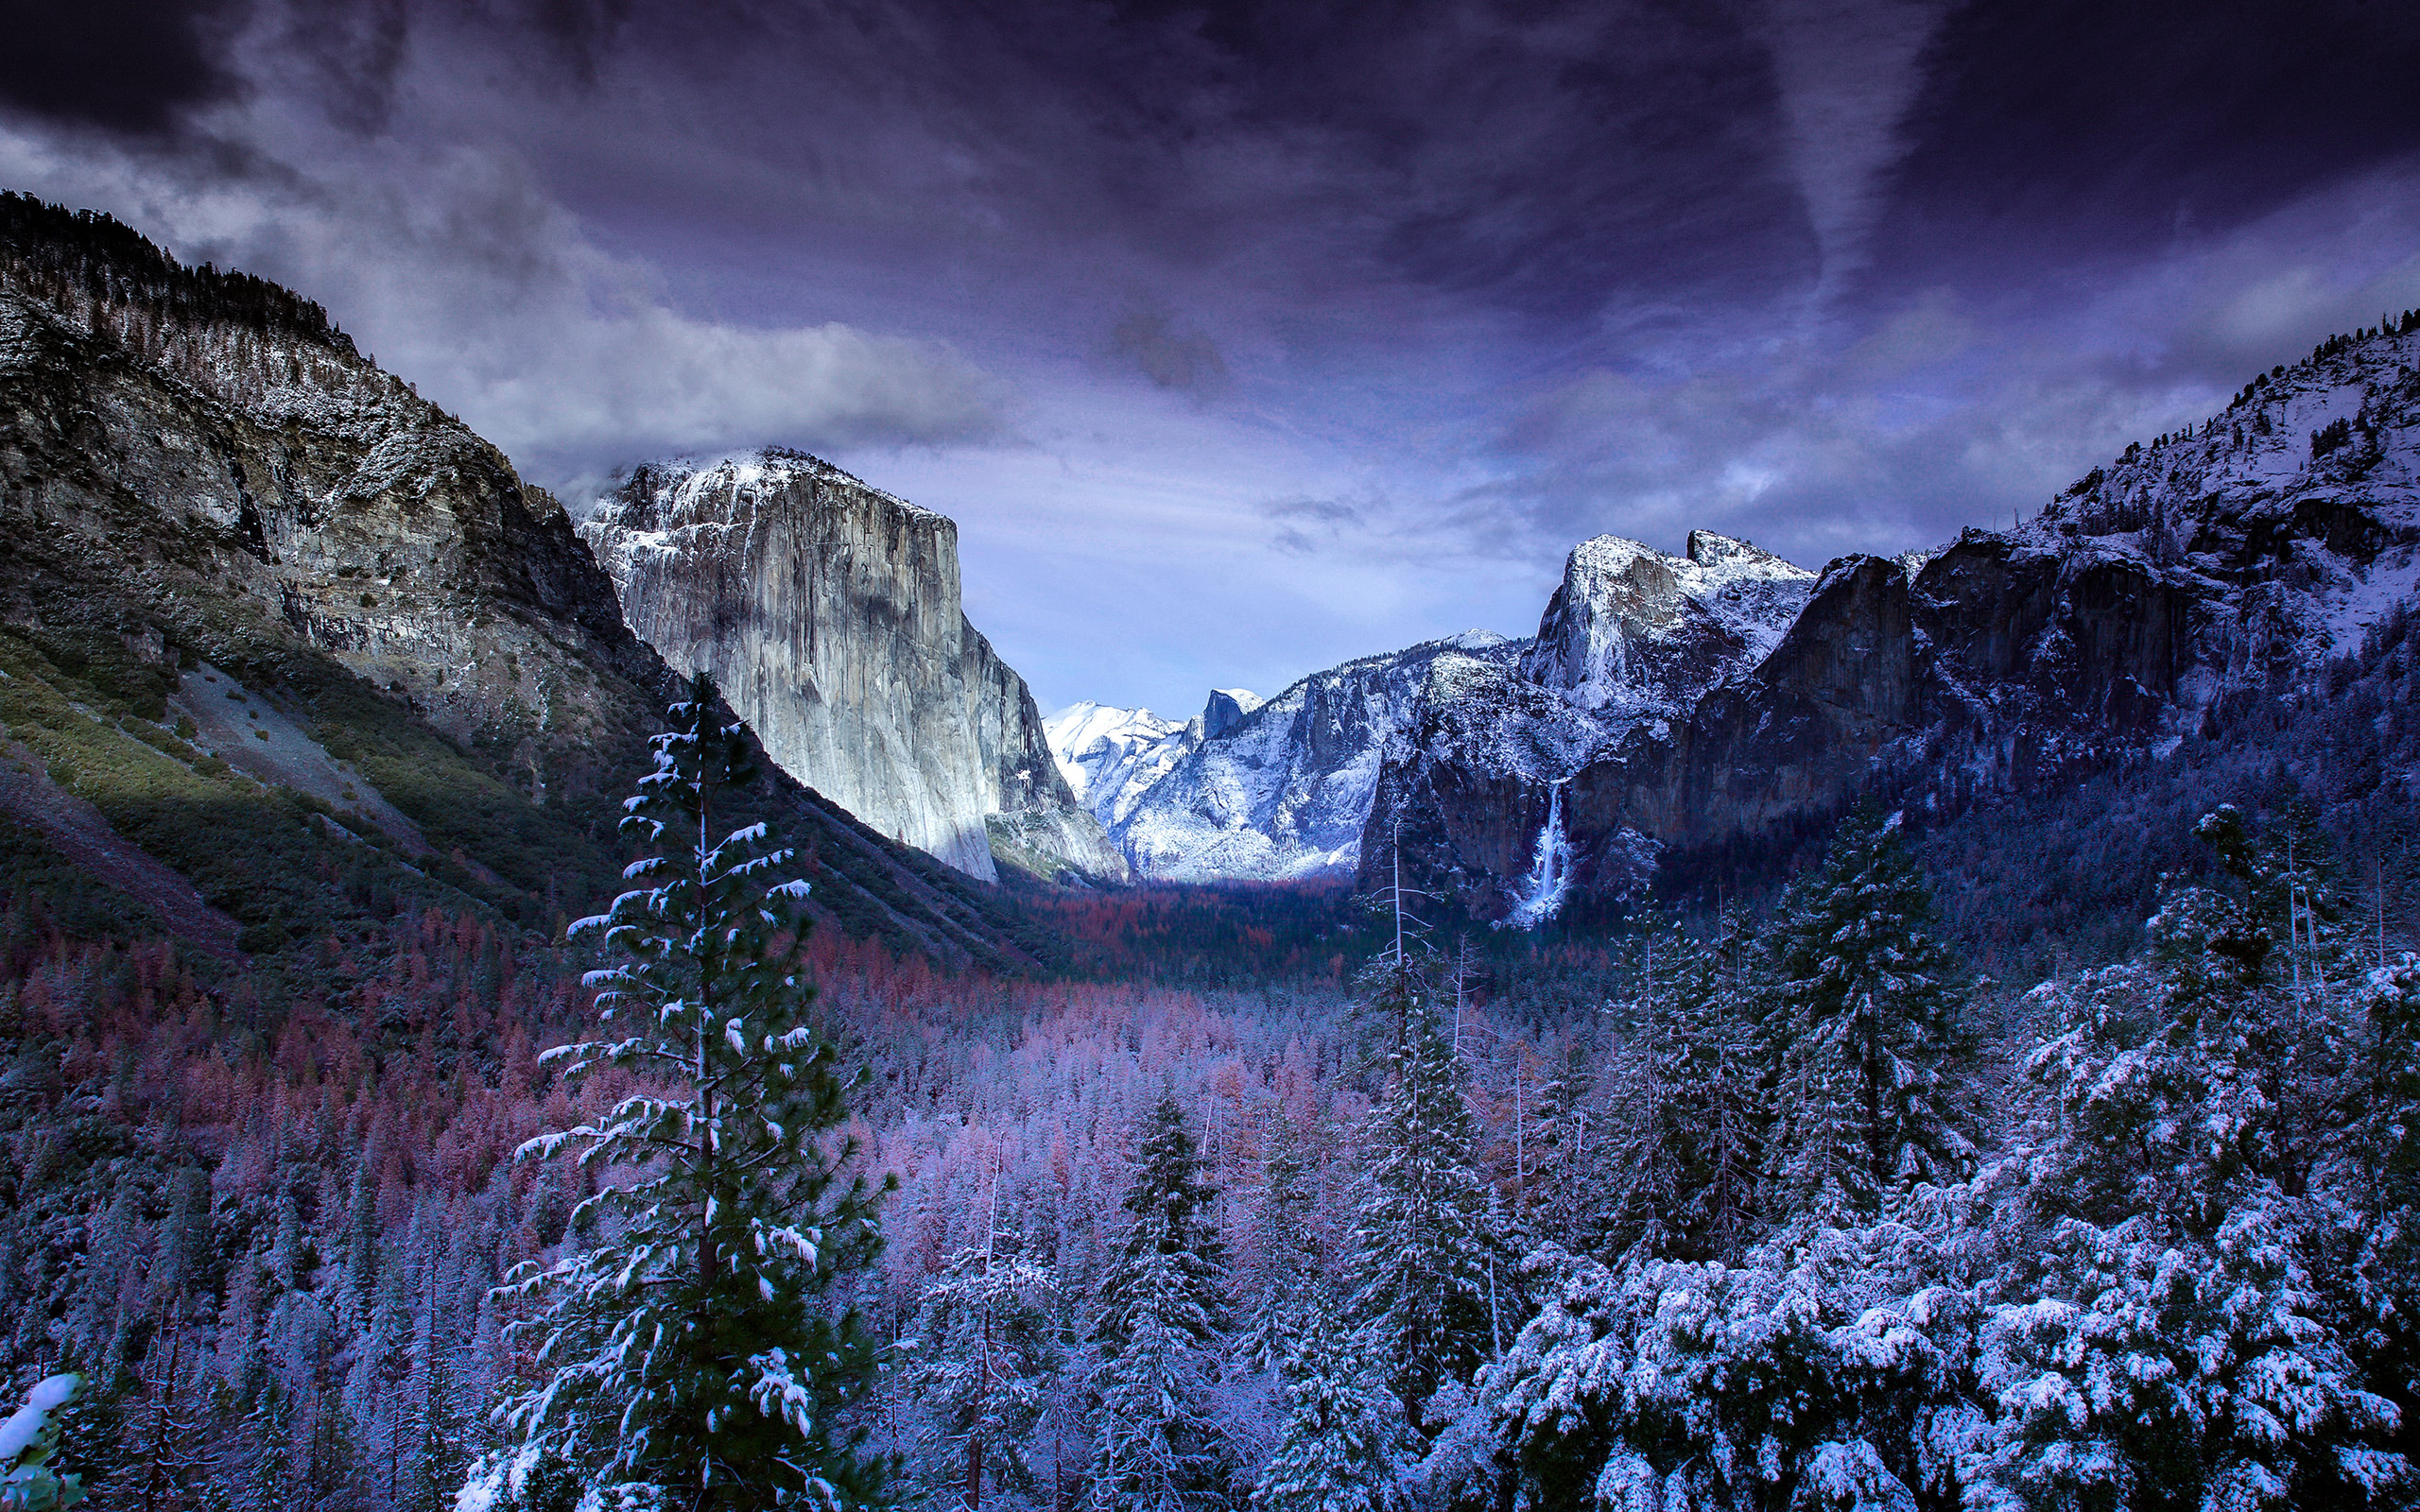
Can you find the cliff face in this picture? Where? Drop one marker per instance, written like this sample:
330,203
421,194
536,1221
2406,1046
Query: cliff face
211,474
301,583
2234,554
829,615
1282,789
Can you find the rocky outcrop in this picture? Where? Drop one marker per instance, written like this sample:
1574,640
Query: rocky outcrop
200,479
1635,632
2237,554
828,613
1284,789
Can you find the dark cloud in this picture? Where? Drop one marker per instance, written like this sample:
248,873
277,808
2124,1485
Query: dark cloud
120,66
1468,280
2073,135
1170,355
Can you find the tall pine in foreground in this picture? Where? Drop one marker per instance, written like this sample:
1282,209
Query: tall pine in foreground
696,1357
1867,1010
1431,1280
1162,1330
1345,1442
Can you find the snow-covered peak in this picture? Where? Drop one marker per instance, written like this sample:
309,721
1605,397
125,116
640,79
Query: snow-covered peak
1636,628
1110,755
1226,708
659,499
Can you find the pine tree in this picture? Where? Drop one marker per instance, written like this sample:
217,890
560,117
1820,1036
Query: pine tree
1345,1441
1867,1010
1681,1166
1162,1328
28,1439
1430,1284
984,1354
699,1348
1284,1275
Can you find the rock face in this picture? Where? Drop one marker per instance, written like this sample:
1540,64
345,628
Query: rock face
828,613
206,491
208,444
2236,553
1634,632
1282,789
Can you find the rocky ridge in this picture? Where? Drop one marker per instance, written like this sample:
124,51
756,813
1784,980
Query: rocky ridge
201,477
1282,789
828,613
2234,555
1111,757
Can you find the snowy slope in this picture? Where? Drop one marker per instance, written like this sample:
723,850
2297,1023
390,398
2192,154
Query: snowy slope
1111,756
1284,789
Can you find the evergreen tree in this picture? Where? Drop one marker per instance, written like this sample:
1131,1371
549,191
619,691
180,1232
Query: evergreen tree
1431,1283
1867,1011
1162,1328
699,1348
1681,1164
1284,1274
1345,1441
983,1357
29,1438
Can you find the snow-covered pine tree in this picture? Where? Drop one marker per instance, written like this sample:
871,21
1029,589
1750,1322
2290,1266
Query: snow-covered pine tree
1345,1442
1284,1275
1679,1162
29,1438
2160,1340
1867,1010
699,1348
1431,1286
983,1355
2382,1196
1161,1332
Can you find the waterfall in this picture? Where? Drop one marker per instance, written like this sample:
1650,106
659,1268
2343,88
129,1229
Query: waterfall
1541,892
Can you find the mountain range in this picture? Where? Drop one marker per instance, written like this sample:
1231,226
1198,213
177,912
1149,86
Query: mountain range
252,584
1672,707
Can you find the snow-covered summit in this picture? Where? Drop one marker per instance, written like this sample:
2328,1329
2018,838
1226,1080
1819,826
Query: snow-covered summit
1284,788
1109,756
1640,632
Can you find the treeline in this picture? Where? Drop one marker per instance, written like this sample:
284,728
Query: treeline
105,262
1830,1243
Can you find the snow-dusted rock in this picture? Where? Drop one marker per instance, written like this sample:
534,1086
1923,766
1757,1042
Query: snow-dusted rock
828,613
1634,630
1730,697
1282,789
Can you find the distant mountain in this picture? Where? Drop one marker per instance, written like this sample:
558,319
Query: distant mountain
288,645
1287,789
1678,711
2232,558
1282,789
829,613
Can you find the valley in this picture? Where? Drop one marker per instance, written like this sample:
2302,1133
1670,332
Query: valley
1752,1043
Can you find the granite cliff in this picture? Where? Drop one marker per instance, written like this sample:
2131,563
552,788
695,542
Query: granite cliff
212,503
828,611
2229,557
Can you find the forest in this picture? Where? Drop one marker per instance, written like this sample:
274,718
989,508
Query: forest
1769,1198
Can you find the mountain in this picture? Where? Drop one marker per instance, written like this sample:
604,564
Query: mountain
288,649
1282,789
828,613
2227,560
1111,757
1287,789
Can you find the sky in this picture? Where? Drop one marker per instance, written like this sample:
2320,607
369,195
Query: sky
1240,340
